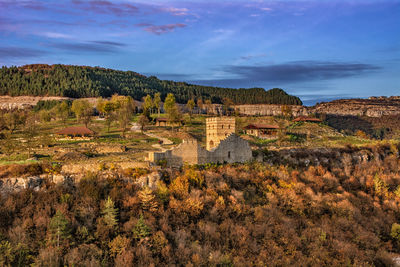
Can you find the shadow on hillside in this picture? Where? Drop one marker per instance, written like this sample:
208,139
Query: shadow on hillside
350,124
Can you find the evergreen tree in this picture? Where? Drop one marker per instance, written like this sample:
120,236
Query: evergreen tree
141,230
110,213
59,229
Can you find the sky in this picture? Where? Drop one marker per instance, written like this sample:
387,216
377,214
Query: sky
318,50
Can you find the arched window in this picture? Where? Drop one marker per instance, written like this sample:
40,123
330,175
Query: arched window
229,154
211,143
229,126
222,126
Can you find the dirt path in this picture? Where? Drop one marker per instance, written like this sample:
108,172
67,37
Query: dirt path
165,141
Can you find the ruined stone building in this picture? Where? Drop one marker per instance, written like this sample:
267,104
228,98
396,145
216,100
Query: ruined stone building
223,145
217,129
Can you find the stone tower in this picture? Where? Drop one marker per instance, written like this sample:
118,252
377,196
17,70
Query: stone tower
217,129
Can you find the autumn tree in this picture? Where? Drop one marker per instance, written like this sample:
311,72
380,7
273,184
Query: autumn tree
83,110
110,213
13,120
172,110
62,111
147,105
143,121
107,108
190,106
147,199
200,104
157,102
125,108
208,105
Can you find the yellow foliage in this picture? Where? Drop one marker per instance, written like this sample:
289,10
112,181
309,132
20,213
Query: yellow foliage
118,245
147,199
180,187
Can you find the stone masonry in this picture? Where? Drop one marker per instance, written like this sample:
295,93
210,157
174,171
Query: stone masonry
217,129
230,147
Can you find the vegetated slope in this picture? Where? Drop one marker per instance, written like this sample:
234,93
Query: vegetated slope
82,81
240,215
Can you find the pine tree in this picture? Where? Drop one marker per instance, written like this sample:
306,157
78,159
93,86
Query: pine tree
141,230
110,213
59,228
147,199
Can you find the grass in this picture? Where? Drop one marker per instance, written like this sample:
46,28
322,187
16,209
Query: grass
139,144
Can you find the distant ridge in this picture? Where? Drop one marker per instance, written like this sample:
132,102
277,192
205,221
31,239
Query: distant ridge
84,81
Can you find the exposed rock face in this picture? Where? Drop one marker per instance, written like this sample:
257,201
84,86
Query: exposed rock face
372,107
270,110
23,102
20,183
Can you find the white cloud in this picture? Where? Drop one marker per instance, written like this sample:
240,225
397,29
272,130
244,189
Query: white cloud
56,35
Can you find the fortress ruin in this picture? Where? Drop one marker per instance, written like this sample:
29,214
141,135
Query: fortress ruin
223,145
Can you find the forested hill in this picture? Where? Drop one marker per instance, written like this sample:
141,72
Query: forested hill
82,81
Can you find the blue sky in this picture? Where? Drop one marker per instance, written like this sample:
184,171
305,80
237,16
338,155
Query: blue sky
318,50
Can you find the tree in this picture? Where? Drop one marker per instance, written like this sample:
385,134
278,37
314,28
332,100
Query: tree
200,104
208,105
59,229
172,110
157,102
13,119
190,106
125,107
107,108
147,105
141,230
62,111
45,115
227,106
110,213
148,199
143,121
83,110
395,233
286,111
30,132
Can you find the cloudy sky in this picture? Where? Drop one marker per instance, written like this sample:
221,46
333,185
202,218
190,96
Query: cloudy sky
318,50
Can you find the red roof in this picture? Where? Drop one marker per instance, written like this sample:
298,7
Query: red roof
261,126
309,119
76,130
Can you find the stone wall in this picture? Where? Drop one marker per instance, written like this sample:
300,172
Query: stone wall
270,110
217,129
231,149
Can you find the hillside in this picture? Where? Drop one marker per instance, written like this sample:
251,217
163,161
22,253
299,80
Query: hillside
82,81
229,215
372,107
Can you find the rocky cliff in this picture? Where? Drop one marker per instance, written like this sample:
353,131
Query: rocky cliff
372,107
347,159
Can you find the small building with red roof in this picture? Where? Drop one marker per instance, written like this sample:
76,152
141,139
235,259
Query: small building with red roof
307,119
164,122
74,131
261,130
